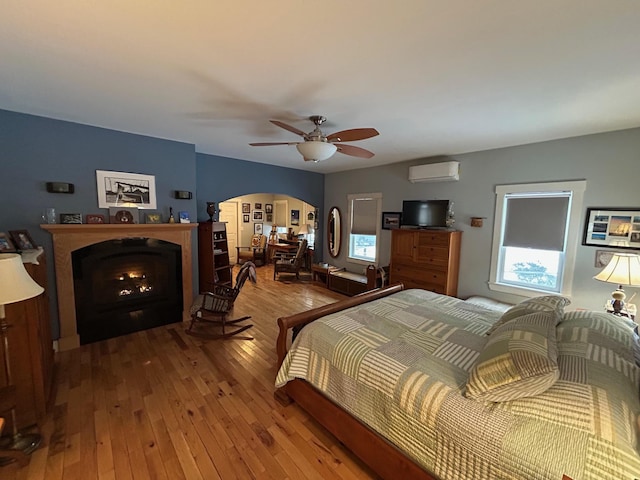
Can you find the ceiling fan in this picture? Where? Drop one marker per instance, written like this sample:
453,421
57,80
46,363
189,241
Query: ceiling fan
317,146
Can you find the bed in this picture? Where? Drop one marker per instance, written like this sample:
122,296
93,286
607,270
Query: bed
407,380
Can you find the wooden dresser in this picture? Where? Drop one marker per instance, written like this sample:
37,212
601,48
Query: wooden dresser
30,351
427,259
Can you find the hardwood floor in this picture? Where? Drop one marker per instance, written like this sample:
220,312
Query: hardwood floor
160,404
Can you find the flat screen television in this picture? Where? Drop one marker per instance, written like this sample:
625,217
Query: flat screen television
425,213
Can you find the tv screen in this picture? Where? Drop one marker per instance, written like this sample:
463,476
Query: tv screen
425,213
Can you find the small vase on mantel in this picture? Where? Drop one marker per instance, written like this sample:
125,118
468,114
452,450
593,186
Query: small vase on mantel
211,210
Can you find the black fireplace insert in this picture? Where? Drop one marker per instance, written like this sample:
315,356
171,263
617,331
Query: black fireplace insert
126,285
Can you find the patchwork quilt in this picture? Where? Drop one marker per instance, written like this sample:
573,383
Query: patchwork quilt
400,365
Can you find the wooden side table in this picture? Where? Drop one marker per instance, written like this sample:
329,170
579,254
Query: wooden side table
320,272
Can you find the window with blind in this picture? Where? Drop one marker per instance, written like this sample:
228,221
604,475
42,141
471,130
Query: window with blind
535,237
364,227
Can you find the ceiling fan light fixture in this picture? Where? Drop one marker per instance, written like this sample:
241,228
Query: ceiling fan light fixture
316,151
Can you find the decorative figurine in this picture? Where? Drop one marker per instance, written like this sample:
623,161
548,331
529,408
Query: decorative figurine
172,219
211,210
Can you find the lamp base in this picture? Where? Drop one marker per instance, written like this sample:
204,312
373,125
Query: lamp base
25,443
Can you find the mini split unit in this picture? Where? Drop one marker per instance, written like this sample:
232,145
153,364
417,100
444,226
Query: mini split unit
435,172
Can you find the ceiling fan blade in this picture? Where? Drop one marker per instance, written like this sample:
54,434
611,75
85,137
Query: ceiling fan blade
268,144
288,127
353,135
354,151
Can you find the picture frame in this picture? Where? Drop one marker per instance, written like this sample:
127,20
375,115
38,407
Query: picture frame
391,220
245,218
603,257
612,227
128,215
6,244
258,215
257,228
184,217
22,240
153,218
68,218
94,218
269,217
246,208
257,206
295,217
126,189
268,207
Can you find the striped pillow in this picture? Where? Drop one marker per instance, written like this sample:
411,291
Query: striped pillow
546,303
519,360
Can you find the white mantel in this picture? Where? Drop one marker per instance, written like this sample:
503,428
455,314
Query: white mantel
68,238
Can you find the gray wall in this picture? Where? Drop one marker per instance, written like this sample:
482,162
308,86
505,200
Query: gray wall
610,162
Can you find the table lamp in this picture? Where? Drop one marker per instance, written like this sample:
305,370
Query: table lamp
622,269
15,285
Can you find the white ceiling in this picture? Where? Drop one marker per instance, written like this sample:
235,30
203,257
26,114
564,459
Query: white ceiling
433,77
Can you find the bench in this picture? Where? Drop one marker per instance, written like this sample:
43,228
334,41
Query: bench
350,283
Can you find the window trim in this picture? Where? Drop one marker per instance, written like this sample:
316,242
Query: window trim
572,237
350,198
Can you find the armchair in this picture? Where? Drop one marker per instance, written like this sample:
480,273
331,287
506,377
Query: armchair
256,253
290,263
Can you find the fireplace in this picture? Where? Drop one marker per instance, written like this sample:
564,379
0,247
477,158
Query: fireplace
67,238
126,285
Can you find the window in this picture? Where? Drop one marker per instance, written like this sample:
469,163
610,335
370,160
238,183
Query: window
535,237
364,227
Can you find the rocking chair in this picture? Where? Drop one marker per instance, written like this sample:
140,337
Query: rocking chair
213,307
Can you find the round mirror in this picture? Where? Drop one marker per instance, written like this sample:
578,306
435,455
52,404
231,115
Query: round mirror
334,231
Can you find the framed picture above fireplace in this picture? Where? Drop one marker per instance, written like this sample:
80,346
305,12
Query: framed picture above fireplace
122,189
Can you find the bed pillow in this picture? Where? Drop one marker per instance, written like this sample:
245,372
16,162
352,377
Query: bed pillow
519,360
547,303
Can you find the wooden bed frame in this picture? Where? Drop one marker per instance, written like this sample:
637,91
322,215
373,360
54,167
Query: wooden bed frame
383,458
380,455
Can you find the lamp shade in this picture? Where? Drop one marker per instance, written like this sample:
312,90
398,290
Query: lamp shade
304,229
623,269
15,283
316,151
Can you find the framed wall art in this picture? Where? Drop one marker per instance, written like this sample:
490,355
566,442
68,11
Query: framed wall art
612,227
153,218
391,220
257,228
245,218
246,208
126,189
258,215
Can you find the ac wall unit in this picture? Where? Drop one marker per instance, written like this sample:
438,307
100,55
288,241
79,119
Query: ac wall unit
435,172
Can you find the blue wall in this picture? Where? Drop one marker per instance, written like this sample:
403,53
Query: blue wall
220,178
35,150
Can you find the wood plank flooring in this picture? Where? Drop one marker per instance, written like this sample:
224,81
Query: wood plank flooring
161,404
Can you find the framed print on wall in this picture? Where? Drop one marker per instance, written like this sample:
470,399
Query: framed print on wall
257,228
390,220
245,218
122,189
246,208
258,215
612,227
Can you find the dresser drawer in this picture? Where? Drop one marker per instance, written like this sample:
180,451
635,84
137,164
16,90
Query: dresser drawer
417,275
433,238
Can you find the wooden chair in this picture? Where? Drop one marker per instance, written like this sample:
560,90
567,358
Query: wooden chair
286,263
256,253
214,307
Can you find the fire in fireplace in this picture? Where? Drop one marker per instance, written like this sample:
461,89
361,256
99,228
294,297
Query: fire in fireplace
126,285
